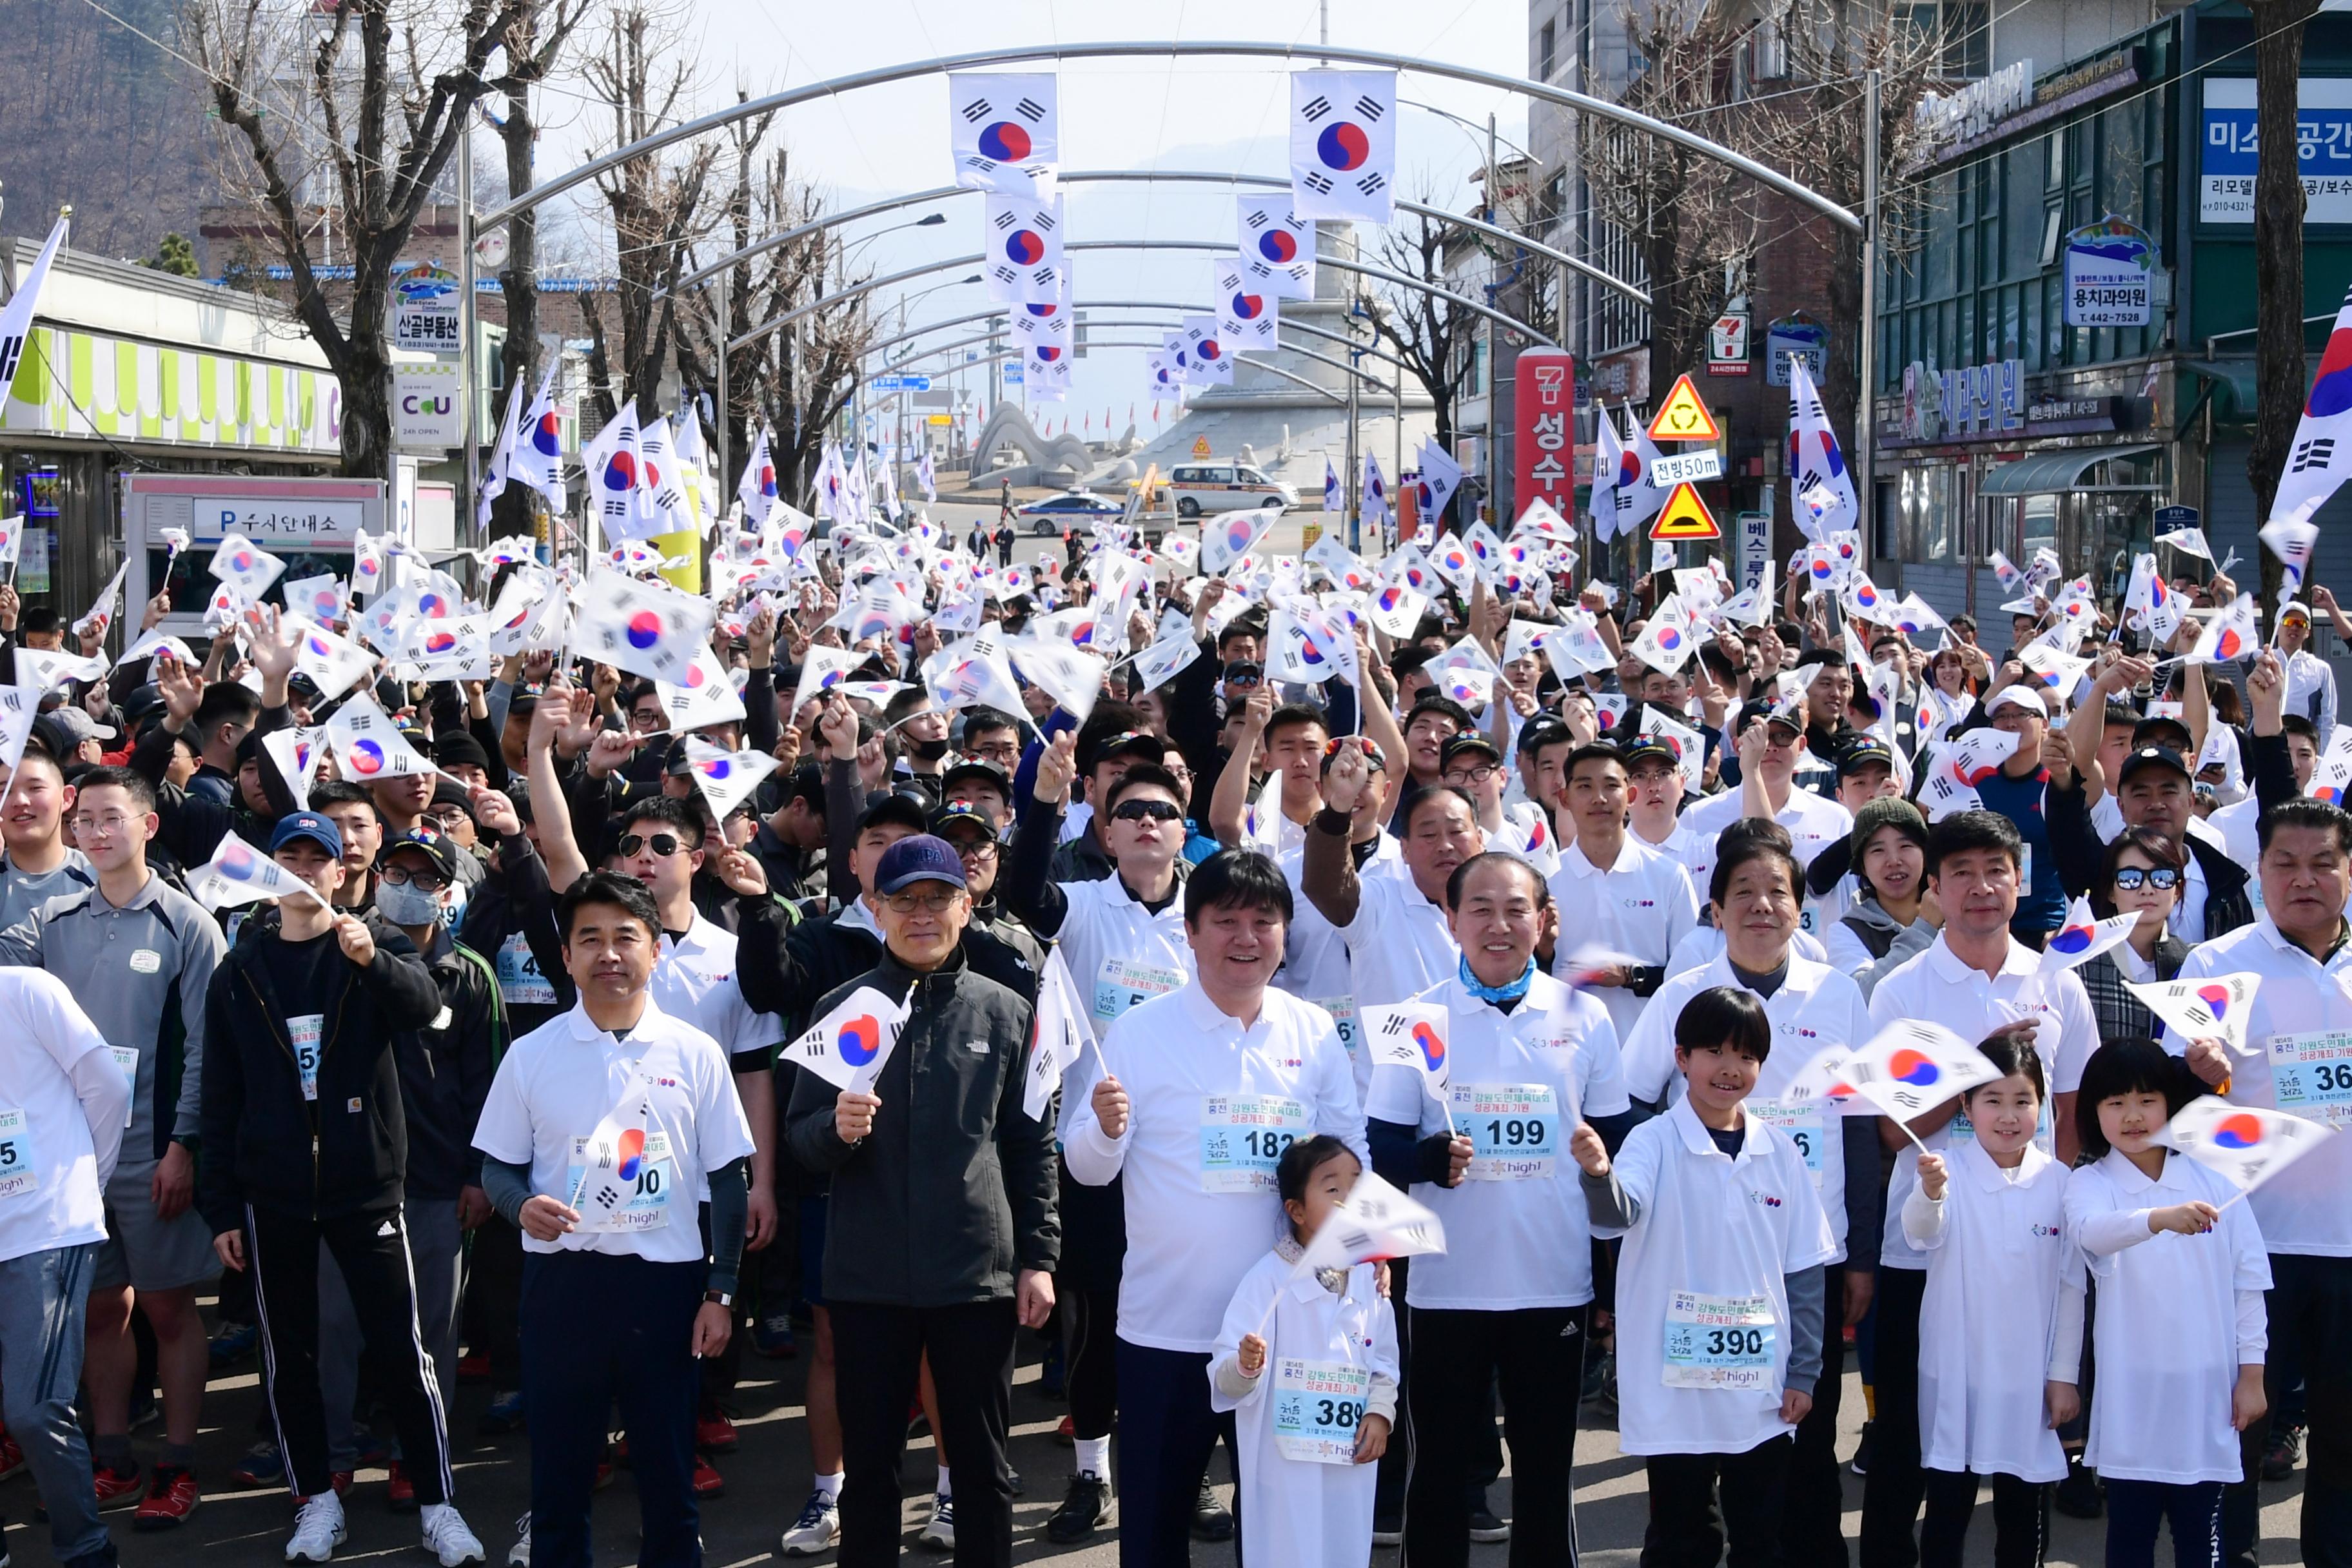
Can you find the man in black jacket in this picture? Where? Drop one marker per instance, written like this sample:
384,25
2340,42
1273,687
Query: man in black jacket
306,1145
944,1211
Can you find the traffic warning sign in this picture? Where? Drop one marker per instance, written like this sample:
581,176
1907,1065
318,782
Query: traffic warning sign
1684,517
1683,416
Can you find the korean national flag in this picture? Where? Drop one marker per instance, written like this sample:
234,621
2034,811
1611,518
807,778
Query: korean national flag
1165,382
2321,455
1343,144
1210,357
1005,132
1043,321
1025,250
1277,246
1047,367
1248,319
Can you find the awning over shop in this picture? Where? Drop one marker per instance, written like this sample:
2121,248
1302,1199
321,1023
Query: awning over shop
2045,472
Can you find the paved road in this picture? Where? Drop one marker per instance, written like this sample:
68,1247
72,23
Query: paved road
767,1477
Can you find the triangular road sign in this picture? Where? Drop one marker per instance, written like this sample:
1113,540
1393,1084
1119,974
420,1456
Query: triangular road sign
1682,417
1684,517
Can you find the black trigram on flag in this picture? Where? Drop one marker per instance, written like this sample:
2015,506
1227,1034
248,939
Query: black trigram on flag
1040,277
1030,110
1316,180
2319,452
1371,184
1042,218
1370,107
1005,275
1255,217
975,111
1006,219
1315,108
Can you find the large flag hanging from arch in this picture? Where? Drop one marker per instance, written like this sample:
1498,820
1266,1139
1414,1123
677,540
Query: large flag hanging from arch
1025,250
1278,247
1343,144
1208,361
1046,368
1007,131
1248,315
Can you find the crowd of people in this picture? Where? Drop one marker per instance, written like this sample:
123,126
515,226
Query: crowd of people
515,1067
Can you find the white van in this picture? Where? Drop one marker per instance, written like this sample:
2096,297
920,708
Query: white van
1225,486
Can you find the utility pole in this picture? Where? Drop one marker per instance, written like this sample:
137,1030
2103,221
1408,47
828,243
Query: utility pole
726,331
1351,479
1866,403
468,324
1493,507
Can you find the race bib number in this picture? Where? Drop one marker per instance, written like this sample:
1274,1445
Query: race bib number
1243,1137
1512,1128
521,983
1343,1014
1121,983
1317,1407
647,1175
304,1032
1719,1342
2312,1073
18,1175
126,1059
1802,1124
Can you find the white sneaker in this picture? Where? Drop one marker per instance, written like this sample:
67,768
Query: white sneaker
940,1534
518,1554
818,1529
446,1537
317,1529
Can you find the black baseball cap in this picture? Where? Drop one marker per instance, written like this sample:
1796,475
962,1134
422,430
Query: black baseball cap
1766,711
1861,753
435,847
1635,750
2146,757
955,809
1468,741
980,769
891,806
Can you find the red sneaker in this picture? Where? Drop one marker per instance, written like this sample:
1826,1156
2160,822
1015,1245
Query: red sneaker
342,1481
401,1492
171,1497
12,1457
473,1369
714,1434
116,1487
707,1482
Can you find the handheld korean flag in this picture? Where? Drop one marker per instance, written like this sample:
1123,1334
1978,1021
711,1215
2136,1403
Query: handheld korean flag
1072,678
1396,609
2321,455
1689,748
2082,938
12,541
725,777
973,673
702,697
2189,541
1815,461
613,1158
757,488
239,874
1373,1222
2203,1009
1373,494
1441,475
848,1046
2290,539
1413,1035
320,598
2246,1143
617,497
1005,132
1576,648
2230,636
16,316
2151,601
1334,503
1062,1035
1609,475
1668,640
1343,144
1157,664
1226,540
1023,264
1277,246
1910,1067
334,664
2331,780
369,745
646,629
296,753
246,566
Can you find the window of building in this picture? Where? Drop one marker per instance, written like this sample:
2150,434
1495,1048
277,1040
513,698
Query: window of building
1545,43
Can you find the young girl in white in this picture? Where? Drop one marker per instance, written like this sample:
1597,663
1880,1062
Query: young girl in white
2000,1330
1308,1364
2181,1272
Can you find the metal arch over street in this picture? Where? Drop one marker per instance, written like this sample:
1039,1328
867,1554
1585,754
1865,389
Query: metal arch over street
1367,377
777,323
1248,49
1274,370
1100,176
1371,351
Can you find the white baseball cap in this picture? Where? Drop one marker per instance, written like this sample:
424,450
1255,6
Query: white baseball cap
2020,697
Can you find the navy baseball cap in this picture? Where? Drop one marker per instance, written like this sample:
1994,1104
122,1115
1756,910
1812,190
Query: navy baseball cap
920,857
307,825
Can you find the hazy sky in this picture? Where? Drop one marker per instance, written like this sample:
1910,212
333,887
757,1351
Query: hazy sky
1140,113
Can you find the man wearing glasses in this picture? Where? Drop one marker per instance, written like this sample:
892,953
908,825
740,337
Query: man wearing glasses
991,735
137,953
1812,820
943,1207
970,828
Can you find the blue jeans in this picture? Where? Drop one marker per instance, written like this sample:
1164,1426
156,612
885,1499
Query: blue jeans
43,1296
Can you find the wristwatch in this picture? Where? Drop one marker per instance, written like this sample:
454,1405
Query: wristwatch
719,1298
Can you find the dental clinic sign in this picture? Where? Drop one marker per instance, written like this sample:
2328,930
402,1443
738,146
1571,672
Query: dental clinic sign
424,406
2110,273
2229,150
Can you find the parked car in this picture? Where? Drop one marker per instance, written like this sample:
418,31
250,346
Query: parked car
1054,513
1203,488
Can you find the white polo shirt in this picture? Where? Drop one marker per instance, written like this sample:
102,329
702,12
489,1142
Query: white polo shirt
693,982
1315,966
1211,1105
1814,1008
2292,1067
55,1154
1118,952
555,1084
1640,904
1814,821
1714,1227
1938,987
1518,1232
1702,945
1398,944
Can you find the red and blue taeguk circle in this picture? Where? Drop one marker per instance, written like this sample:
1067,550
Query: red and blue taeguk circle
1343,146
1004,140
1025,247
1279,246
2331,390
367,757
860,1040
1914,1067
1248,307
1432,1043
547,436
2240,1131
644,629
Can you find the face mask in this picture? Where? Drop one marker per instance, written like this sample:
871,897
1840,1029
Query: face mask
405,905
927,751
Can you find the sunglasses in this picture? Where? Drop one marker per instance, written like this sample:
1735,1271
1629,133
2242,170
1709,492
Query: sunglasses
664,844
2131,878
1146,811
